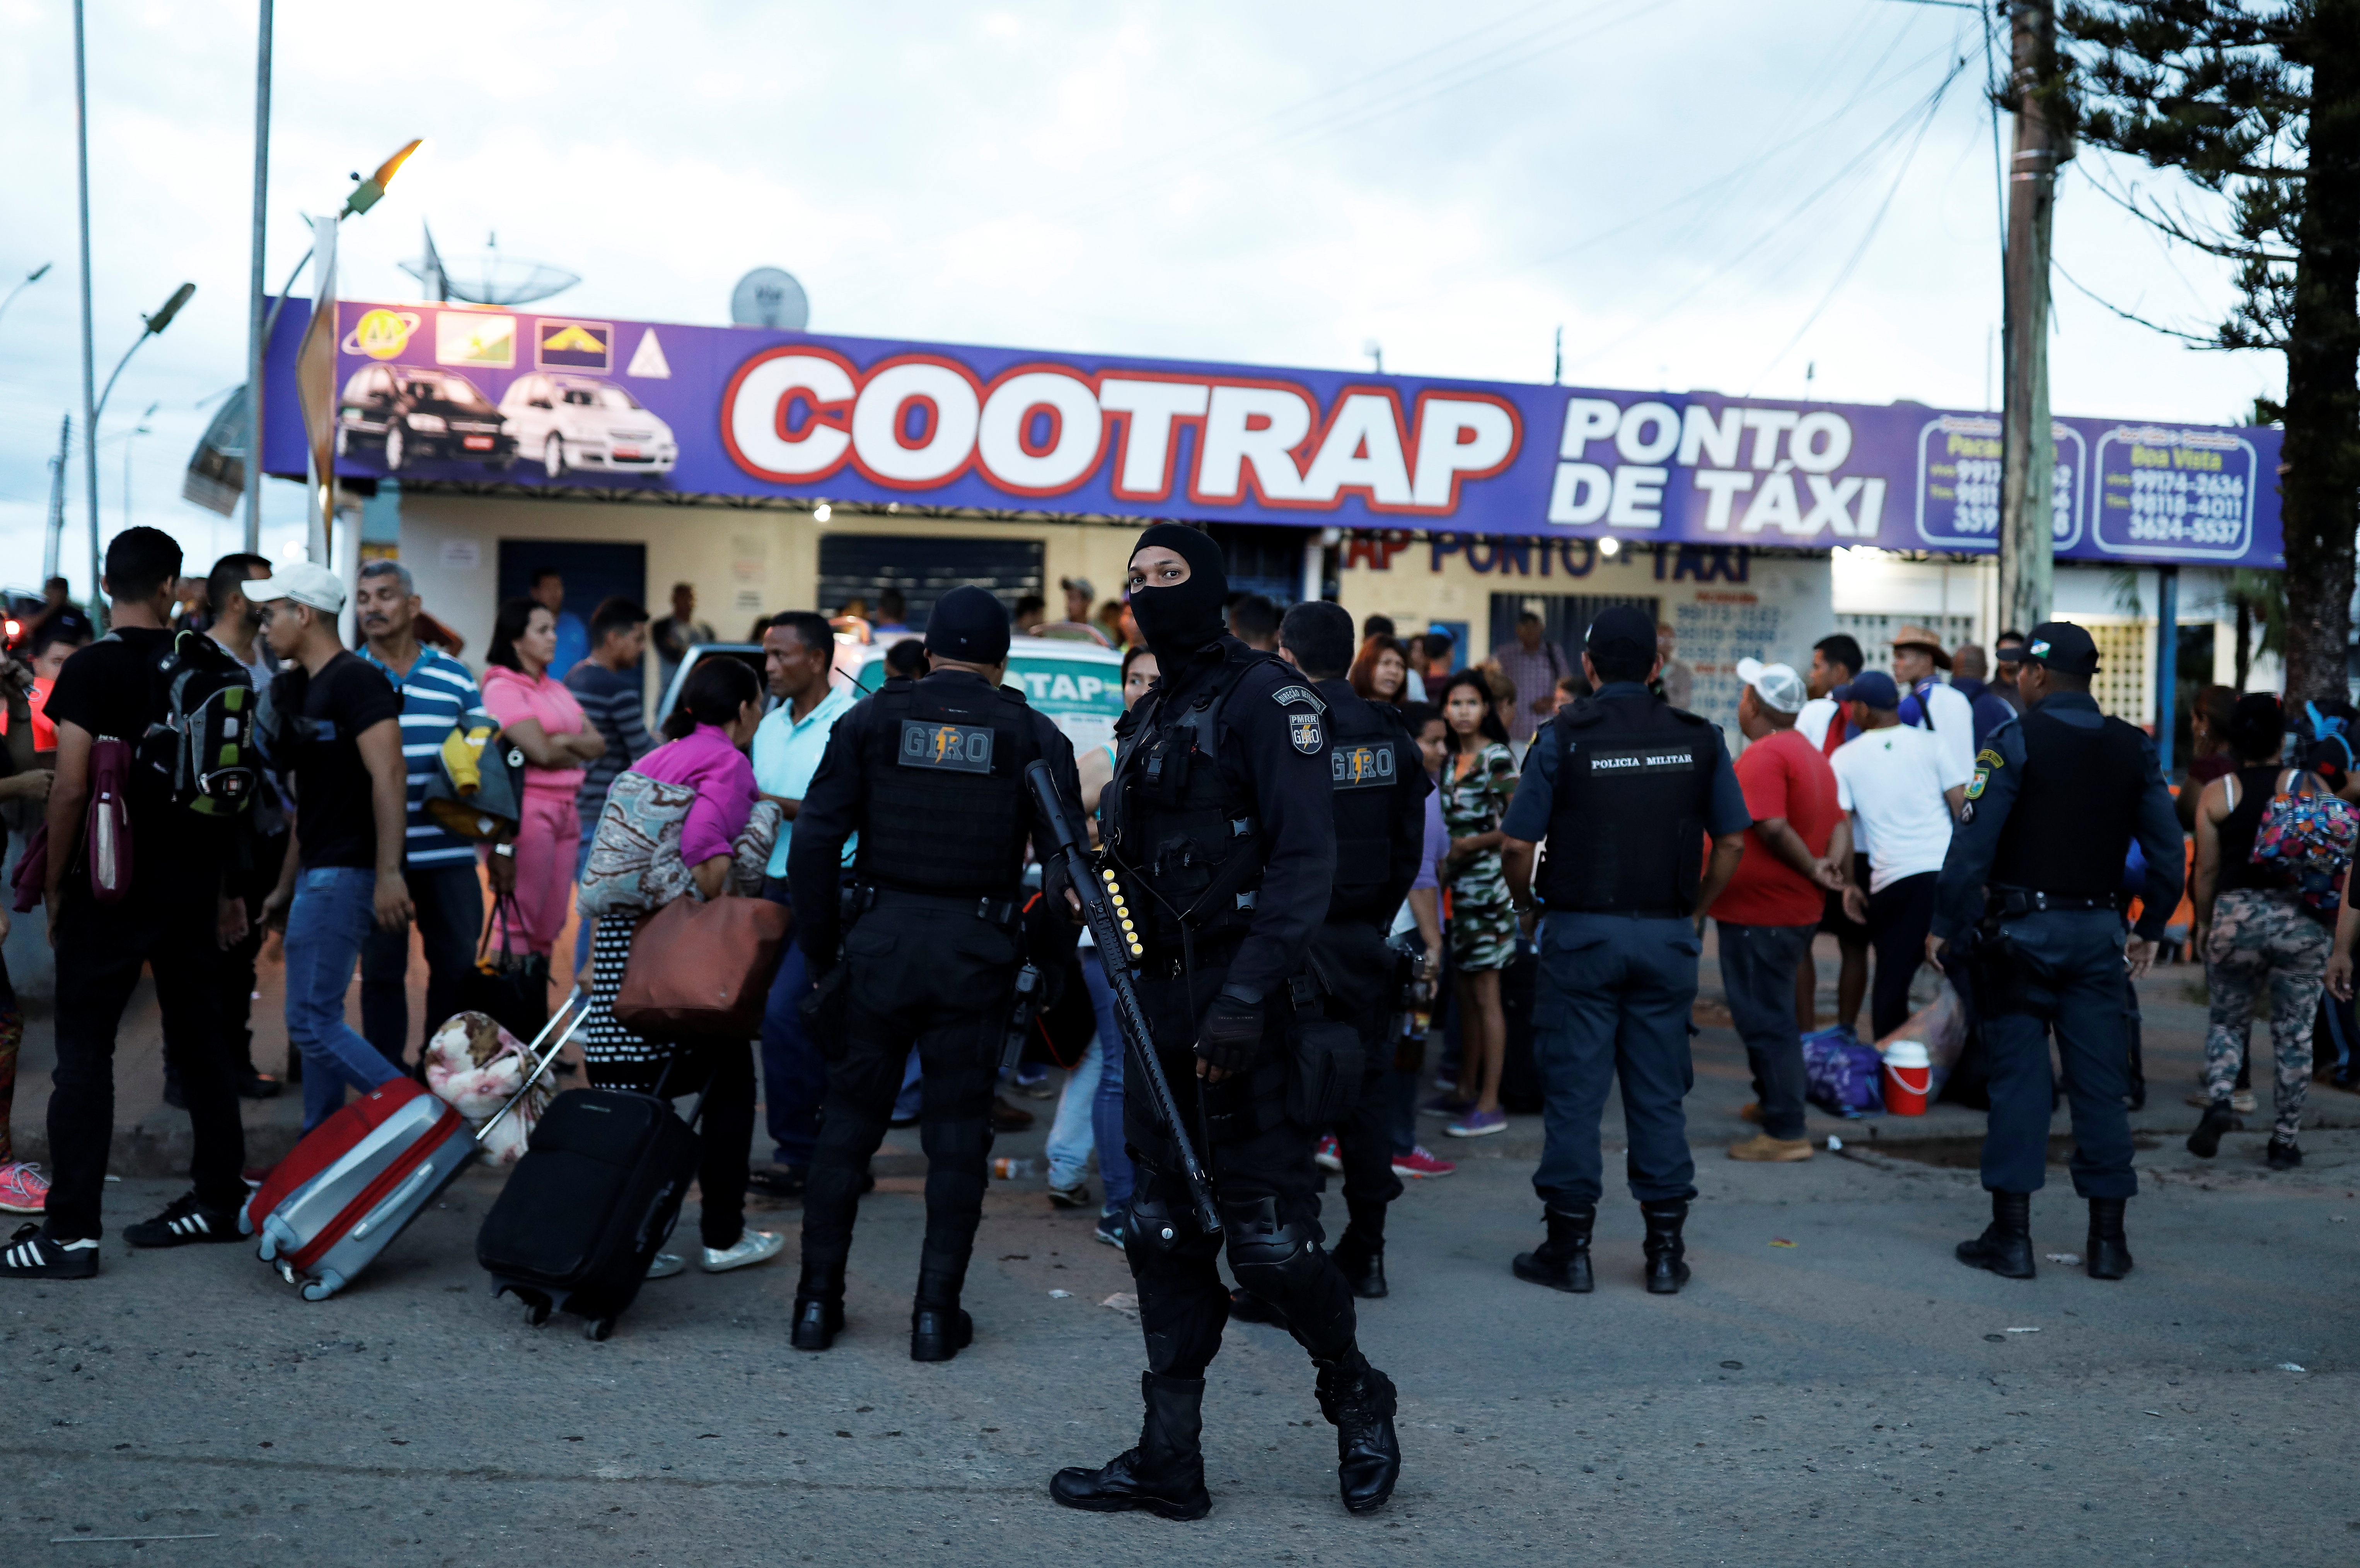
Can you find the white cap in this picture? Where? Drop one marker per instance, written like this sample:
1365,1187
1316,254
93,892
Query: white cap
1780,689
306,583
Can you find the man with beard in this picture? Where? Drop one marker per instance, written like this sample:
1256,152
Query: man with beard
1220,822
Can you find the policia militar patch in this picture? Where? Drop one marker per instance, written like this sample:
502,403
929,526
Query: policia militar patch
959,748
1614,761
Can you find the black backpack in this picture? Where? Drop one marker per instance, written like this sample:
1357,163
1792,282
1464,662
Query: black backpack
205,741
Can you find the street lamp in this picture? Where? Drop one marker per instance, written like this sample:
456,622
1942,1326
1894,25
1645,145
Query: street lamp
366,193
30,279
129,438
155,324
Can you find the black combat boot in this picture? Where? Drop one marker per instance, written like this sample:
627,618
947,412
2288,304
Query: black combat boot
1358,1399
938,1329
2107,1253
1362,1266
1667,1269
2219,1119
2005,1246
1562,1262
1164,1474
819,1307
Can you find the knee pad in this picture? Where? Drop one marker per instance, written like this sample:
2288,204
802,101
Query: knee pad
1273,1259
1157,1232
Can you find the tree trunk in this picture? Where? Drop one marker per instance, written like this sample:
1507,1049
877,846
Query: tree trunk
2321,480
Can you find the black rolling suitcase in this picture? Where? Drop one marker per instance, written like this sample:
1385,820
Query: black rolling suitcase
587,1209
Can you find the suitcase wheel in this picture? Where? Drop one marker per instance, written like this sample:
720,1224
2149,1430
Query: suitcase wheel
597,1328
536,1313
319,1290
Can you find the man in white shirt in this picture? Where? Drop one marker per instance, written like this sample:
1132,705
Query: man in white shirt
1931,703
1905,791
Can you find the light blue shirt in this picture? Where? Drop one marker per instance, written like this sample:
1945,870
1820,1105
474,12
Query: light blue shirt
786,755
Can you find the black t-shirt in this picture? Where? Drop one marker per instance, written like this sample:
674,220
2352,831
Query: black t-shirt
323,717
111,689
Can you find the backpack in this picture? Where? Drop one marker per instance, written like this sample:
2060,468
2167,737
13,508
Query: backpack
205,744
2309,832
1841,1075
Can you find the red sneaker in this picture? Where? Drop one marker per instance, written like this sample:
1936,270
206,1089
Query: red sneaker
1418,1164
1327,1155
23,1189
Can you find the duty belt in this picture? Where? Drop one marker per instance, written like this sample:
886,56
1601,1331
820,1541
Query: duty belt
2026,900
992,911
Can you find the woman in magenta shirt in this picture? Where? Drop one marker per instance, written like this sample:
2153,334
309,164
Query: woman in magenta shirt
540,716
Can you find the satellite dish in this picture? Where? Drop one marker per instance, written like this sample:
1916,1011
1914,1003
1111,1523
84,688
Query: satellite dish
768,296
492,279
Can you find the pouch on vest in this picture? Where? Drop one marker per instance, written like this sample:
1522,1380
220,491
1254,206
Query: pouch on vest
1325,1060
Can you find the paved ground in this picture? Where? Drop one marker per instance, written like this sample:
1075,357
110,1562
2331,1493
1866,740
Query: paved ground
1855,1395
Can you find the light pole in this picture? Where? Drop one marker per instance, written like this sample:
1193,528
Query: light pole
155,324
89,368
366,193
130,439
30,279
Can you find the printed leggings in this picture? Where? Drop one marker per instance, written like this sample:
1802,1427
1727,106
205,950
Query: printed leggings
2264,938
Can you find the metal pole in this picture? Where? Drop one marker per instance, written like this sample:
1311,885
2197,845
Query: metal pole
2167,662
89,368
258,343
2027,441
53,534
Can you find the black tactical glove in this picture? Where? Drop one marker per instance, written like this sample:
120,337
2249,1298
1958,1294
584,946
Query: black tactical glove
1231,1031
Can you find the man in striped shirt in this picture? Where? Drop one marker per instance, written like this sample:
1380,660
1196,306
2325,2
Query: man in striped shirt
612,694
437,695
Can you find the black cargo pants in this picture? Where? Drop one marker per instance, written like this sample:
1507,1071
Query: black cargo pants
943,979
1357,968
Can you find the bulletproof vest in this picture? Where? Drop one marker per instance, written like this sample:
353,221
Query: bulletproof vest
945,768
2068,828
1177,823
1626,823
1370,757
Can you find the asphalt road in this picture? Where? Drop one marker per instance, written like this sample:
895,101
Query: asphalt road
1832,1388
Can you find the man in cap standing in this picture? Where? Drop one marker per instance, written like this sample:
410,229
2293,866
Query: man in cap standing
2031,887
1926,702
930,773
1079,594
1623,785
1774,902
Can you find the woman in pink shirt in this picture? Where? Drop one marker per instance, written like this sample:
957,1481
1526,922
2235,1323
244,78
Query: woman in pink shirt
541,718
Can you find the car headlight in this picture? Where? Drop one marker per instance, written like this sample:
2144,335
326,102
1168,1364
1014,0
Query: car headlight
426,422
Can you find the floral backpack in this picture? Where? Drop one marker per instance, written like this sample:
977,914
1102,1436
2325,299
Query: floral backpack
2309,834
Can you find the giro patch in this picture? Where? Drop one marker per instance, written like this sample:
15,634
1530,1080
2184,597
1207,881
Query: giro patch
1303,730
1361,767
958,748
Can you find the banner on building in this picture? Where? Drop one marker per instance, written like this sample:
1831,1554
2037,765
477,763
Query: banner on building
467,394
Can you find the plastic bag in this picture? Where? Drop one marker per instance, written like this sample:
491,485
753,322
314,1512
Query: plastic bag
1941,1024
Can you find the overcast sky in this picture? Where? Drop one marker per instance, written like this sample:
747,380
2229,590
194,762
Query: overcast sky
1702,193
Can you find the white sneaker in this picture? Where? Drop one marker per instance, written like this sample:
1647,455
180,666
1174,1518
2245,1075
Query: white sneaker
666,1265
754,1246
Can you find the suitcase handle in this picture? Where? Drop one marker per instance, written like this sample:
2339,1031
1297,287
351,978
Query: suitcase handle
393,1201
571,1013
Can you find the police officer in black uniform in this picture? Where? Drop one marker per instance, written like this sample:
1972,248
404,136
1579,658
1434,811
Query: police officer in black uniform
2031,884
930,774
1624,787
1380,788
1218,822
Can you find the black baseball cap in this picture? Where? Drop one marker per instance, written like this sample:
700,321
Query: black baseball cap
1620,629
1873,687
2064,647
968,624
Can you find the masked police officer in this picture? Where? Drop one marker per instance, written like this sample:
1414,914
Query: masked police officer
2031,883
1218,822
930,774
1624,787
1380,804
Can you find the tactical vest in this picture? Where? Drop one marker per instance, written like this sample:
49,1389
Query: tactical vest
945,767
1177,824
2068,828
1626,823
1371,758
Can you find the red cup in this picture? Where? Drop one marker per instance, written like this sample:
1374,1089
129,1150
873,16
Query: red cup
1908,1078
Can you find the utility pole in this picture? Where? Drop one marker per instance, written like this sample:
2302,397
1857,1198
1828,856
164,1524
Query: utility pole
2027,441
89,364
255,347
55,532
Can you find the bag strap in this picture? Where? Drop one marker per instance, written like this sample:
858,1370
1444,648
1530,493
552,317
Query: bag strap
575,1005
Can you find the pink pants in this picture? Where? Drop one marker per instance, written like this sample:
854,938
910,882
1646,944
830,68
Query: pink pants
547,843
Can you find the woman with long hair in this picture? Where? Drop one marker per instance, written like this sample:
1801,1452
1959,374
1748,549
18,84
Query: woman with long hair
541,718
1478,777
1381,671
705,739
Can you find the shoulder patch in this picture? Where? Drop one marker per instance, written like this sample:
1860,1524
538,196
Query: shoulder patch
1286,694
1303,730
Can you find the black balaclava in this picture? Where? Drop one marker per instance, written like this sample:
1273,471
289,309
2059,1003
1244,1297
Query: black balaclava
1177,621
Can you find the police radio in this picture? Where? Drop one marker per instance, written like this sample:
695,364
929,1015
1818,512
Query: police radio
1115,927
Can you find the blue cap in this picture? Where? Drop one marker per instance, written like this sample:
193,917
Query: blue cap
1873,687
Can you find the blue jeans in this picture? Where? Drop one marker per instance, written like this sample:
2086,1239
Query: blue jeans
1106,1105
1757,972
1613,1002
583,928
1073,1132
327,926
794,1078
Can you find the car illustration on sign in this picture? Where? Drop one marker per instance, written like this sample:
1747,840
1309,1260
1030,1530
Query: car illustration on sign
414,414
582,422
